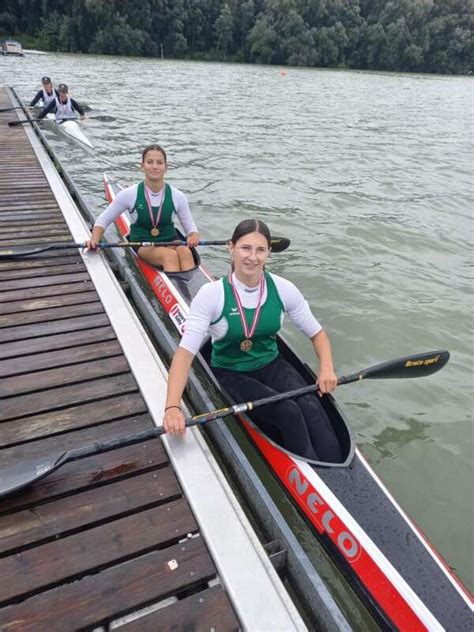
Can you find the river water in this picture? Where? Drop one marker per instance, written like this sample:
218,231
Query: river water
370,176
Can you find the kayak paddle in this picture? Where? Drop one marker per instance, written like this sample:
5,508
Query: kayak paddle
59,121
12,479
18,107
278,245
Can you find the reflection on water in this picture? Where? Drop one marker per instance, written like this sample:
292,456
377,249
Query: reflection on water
370,175
390,440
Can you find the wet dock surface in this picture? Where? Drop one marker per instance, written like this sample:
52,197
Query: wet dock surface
107,534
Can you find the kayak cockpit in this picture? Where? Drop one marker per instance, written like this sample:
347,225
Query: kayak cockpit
341,428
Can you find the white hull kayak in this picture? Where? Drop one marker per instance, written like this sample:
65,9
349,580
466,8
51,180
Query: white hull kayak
72,129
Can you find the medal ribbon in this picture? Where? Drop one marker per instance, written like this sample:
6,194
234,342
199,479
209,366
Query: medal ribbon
248,333
154,222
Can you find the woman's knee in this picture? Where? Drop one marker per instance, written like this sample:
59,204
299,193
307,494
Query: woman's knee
185,255
170,256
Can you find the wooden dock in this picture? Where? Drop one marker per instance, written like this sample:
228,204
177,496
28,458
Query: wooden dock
110,534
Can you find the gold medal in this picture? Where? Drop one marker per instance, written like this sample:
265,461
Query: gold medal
246,345
155,231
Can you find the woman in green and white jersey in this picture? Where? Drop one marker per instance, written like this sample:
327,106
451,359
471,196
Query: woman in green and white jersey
243,313
153,204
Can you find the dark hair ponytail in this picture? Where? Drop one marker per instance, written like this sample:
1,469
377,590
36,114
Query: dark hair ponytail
153,147
247,226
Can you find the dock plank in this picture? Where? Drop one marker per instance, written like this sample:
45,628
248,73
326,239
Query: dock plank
20,228
32,242
51,520
91,369
52,279
62,357
85,285
114,542
68,395
55,341
47,315
10,226
118,590
23,332
26,263
48,302
209,609
74,266
72,417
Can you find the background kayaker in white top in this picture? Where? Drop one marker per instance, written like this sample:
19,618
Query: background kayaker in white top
243,314
63,106
47,93
152,205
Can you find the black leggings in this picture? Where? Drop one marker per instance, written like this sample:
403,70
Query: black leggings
300,425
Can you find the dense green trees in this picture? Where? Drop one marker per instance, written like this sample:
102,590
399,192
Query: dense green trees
413,35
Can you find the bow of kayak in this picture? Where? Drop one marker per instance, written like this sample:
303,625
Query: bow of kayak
73,130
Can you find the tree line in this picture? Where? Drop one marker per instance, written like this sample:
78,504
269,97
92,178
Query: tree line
398,35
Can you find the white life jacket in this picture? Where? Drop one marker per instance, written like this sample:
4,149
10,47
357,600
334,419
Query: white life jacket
64,110
47,98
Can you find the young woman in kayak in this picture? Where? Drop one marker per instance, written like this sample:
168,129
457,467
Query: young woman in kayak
63,106
46,95
152,204
243,313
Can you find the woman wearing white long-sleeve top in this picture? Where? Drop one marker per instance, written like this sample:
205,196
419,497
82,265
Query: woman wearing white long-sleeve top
243,313
152,205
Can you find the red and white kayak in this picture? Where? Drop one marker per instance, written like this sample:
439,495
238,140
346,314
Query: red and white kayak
385,557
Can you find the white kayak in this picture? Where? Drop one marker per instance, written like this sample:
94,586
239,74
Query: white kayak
72,128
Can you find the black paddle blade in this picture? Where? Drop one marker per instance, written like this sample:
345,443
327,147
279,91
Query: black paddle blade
279,244
10,253
417,365
25,473
24,251
22,122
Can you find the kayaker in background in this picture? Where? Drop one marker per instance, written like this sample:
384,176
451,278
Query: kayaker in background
63,106
46,95
152,204
243,313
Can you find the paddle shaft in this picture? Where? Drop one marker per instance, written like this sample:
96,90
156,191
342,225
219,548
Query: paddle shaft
38,120
17,107
419,365
191,421
86,108
278,245
12,254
